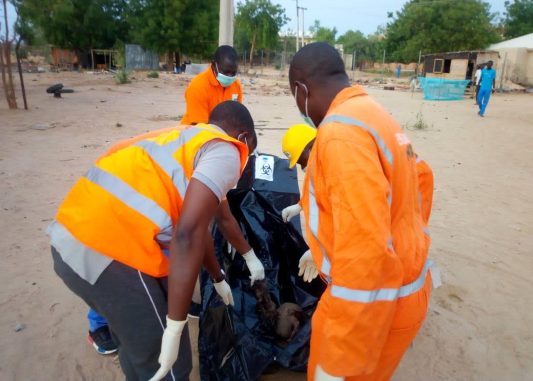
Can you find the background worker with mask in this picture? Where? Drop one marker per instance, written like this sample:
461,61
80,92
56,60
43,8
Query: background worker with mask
132,234
364,224
217,84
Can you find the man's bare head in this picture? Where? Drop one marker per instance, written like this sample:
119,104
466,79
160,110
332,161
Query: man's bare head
235,119
316,76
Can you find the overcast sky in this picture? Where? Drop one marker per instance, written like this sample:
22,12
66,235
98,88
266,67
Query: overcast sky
363,15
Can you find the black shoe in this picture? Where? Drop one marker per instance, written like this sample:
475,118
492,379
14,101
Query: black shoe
194,310
101,341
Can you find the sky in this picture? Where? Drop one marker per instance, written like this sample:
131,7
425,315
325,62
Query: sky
363,15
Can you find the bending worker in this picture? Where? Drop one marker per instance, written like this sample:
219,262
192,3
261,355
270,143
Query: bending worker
364,224
132,234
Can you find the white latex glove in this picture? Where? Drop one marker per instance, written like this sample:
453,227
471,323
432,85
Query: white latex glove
223,289
257,271
307,267
290,211
321,375
170,346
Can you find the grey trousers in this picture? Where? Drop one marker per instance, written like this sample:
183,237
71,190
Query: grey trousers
135,305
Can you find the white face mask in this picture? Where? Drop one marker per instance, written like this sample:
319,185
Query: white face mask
307,119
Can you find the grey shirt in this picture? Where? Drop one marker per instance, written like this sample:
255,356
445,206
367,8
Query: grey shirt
216,165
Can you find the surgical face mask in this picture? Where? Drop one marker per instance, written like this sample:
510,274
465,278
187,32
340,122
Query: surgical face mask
307,119
224,80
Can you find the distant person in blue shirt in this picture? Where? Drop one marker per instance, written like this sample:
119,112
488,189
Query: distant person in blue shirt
487,84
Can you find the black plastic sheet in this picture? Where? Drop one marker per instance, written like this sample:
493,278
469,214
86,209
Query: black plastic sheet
234,344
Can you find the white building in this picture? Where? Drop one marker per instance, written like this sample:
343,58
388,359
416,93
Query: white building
516,59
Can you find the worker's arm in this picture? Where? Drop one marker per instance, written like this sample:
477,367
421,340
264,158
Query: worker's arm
197,103
362,258
230,228
231,231
425,187
189,246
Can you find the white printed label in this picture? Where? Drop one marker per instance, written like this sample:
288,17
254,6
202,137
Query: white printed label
264,168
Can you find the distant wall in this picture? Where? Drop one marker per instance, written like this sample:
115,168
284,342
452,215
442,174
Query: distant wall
518,65
138,58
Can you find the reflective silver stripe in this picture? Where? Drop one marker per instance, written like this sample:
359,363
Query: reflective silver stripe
426,231
357,123
313,226
130,197
390,245
382,294
162,154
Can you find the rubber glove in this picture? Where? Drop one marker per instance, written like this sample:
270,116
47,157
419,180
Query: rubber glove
257,271
170,346
290,211
307,267
223,289
321,375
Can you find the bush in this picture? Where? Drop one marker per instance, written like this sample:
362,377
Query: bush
122,77
153,74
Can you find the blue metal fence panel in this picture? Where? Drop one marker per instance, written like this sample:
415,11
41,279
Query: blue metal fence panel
138,58
440,89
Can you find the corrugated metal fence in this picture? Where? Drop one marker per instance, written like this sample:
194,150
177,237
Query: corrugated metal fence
138,58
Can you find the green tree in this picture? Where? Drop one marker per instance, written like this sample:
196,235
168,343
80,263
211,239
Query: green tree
323,34
439,26
518,18
78,25
169,26
257,24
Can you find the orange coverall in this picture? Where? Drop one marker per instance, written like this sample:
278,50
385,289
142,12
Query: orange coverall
204,93
368,236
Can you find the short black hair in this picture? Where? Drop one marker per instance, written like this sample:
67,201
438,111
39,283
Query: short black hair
232,116
317,60
225,52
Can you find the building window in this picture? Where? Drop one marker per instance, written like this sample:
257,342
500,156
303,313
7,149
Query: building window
438,64
447,65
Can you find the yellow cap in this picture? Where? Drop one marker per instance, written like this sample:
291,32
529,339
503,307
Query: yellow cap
295,140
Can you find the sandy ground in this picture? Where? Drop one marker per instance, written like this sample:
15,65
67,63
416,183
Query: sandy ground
480,322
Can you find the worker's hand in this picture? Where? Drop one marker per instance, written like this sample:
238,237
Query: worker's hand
290,211
170,345
321,375
257,271
307,267
223,289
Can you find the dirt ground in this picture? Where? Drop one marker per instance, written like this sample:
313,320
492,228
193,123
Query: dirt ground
479,326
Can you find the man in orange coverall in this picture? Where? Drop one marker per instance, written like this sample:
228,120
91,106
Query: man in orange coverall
217,84
364,222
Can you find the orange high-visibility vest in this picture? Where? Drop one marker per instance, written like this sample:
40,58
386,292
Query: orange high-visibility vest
126,205
365,230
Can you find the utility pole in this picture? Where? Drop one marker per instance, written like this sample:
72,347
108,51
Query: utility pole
225,24
303,26
297,24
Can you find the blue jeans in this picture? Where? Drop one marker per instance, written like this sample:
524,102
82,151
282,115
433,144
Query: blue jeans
95,320
483,99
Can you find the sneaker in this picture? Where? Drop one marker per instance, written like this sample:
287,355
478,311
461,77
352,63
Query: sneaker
194,310
101,341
